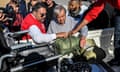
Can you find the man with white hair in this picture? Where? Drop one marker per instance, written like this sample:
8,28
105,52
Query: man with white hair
63,23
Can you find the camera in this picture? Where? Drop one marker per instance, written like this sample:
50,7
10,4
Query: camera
9,13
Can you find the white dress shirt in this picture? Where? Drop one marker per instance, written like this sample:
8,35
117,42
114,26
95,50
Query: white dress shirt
38,36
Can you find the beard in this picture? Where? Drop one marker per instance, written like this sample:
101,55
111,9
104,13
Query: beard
74,13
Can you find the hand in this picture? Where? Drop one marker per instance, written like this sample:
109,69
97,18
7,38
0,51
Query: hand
72,32
81,25
62,35
82,43
3,18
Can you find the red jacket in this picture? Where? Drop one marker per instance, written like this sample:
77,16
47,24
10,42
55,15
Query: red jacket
99,6
31,20
18,20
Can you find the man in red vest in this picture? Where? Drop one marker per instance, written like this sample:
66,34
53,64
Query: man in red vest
93,13
34,23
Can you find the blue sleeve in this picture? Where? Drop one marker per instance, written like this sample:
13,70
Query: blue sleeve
84,31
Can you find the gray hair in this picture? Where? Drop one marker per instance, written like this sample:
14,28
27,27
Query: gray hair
58,9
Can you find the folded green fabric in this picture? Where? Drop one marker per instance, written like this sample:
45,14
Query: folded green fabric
67,45
71,45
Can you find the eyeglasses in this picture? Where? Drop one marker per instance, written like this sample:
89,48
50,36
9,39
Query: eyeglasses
42,14
46,0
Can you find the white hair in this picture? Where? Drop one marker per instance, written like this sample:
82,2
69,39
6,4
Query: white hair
58,9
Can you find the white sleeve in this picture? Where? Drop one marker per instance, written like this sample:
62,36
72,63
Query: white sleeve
38,36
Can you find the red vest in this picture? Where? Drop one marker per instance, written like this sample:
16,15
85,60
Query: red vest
29,21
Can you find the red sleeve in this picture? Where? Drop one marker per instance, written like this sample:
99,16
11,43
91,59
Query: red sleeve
94,12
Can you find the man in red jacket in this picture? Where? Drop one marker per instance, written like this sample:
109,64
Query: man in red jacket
34,23
93,13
